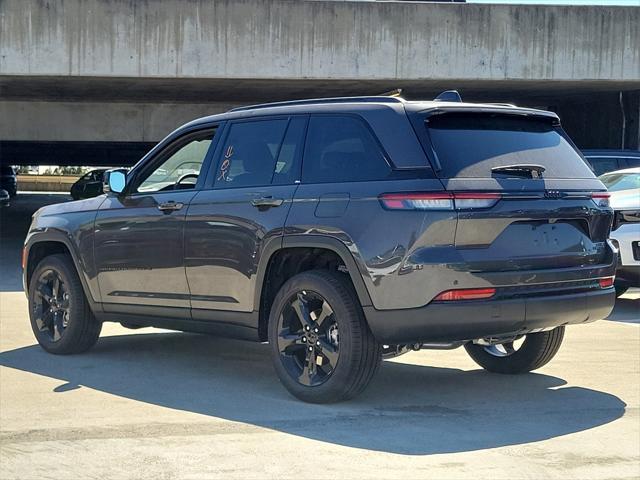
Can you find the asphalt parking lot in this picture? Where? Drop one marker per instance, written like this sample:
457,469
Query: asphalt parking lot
158,404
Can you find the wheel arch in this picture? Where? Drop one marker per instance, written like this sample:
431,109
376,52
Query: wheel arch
322,247
42,245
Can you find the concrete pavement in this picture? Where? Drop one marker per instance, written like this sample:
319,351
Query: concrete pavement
157,404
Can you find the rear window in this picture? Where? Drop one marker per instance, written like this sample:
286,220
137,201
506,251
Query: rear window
470,145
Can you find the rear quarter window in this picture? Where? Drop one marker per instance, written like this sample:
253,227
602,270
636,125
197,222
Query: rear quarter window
470,145
342,149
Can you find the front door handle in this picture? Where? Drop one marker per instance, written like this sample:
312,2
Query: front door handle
170,206
267,202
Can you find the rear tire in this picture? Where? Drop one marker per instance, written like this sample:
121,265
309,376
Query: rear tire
336,357
61,319
621,291
537,350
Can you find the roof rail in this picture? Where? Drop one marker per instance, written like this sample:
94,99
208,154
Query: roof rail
373,99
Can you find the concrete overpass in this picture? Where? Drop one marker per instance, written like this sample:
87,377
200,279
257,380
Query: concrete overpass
113,76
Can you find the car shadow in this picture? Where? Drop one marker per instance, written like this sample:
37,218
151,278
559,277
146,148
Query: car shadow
627,310
408,409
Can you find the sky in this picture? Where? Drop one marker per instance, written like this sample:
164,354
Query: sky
635,3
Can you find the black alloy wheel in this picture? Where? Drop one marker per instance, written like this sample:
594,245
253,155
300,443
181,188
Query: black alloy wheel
308,338
321,346
60,315
51,305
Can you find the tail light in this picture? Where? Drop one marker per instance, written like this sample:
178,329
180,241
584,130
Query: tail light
606,282
601,198
465,294
439,201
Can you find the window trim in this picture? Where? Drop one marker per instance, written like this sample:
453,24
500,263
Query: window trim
366,125
165,152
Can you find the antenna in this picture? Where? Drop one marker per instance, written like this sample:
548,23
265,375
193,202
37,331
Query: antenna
448,96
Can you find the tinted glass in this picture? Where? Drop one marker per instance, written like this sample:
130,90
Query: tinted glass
6,170
603,165
341,149
631,162
180,170
470,145
249,153
287,169
621,181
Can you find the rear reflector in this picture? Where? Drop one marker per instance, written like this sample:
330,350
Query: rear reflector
606,282
465,294
24,257
438,200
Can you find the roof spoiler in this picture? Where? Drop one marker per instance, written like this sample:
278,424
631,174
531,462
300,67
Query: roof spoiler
448,96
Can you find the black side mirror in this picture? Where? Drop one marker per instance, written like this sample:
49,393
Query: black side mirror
115,180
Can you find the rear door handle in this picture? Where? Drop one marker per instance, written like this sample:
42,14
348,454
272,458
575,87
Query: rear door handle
267,202
170,206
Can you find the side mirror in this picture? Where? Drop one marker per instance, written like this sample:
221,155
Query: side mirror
115,180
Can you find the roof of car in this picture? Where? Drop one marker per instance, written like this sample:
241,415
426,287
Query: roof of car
355,104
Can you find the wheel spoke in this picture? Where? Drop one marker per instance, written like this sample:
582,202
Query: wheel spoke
508,348
55,287
58,327
289,342
309,371
45,292
329,352
301,308
325,313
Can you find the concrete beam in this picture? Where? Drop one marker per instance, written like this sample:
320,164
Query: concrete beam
281,39
91,121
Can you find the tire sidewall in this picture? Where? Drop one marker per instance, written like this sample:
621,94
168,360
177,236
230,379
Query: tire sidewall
335,385
61,265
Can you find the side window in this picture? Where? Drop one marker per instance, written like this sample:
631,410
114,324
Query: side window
181,165
341,149
631,163
249,154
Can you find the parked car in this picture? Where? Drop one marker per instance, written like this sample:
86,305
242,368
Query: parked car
624,186
604,161
89,185
340,231
5,199
8,180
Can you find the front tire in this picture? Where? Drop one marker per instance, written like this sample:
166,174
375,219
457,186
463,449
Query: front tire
321,345
61,319
537,350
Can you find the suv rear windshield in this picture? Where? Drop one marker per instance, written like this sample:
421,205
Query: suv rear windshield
470,145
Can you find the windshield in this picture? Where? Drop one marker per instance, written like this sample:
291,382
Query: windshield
471,144
621,181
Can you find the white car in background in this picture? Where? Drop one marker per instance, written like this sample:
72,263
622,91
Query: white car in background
624,186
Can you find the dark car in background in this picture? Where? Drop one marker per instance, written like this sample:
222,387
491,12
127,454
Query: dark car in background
89,185
5,199
8,180
604,161
340,231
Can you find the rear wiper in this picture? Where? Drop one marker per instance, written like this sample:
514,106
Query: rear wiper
526,171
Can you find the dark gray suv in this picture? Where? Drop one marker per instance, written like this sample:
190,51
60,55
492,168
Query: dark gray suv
341,231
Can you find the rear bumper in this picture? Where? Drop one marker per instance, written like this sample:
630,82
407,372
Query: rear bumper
469,320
